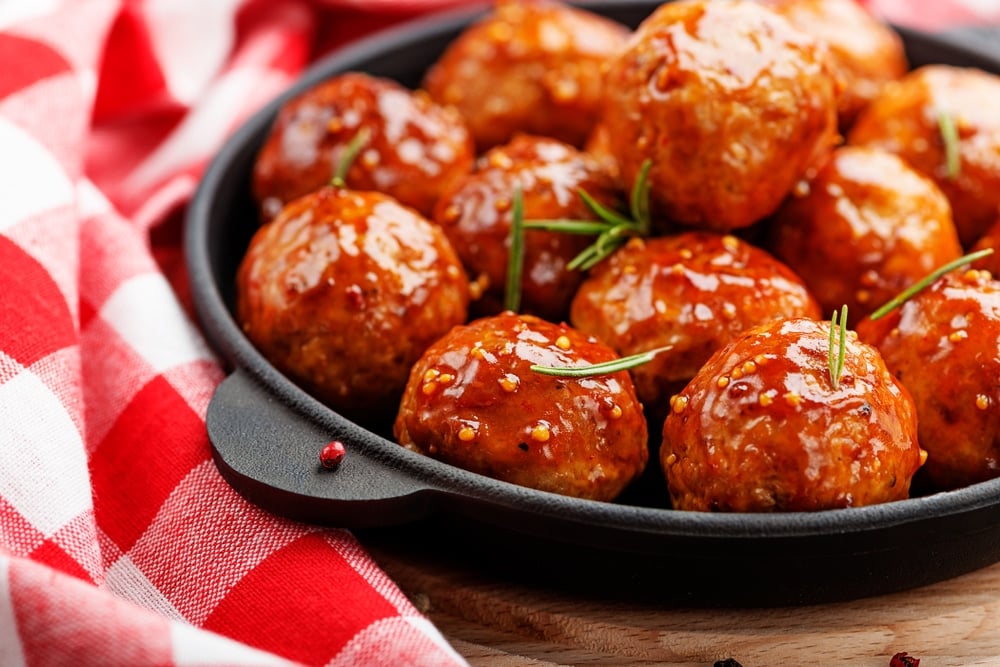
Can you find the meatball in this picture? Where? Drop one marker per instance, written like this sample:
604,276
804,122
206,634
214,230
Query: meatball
344,290
695,291
598,144
729,102
528,66
865,52
475,213
415,147
906,119
867,227
989,240
763,428
473,401
944,346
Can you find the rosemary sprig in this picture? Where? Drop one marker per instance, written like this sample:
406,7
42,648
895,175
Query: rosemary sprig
612,229
922,284
606,368
949,135
515,256
838,346
347,158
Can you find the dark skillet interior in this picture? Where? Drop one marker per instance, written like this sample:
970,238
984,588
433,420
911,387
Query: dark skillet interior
266,434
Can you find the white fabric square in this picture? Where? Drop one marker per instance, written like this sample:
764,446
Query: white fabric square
145,313
33,182
192,646
128,582
43,466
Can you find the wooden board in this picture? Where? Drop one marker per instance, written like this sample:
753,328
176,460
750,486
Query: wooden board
495,622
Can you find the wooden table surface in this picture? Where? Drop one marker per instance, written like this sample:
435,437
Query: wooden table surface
497,622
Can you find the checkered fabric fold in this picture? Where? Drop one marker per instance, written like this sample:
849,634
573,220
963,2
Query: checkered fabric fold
120,544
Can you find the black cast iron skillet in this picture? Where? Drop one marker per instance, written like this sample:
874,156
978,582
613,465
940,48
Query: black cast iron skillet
266,434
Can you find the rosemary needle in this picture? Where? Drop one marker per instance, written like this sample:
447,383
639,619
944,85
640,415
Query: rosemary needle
838,348
922,284
612,228
949,135
606,368
347,158
515,256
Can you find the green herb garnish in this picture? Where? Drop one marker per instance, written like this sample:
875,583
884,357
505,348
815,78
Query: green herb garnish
838,346
949,135
347,158
919,286
515,255
606,368
612,229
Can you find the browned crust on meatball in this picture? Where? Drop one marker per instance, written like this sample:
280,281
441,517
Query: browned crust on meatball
695,291
867,227
476,215
905,119
865,52
534,67
989,241
343,291
729,102
473,401
762,428
944,346
415,147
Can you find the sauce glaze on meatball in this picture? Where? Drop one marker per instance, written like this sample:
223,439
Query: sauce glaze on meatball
865,52
761,427
906,119
344,290
473,401
696,291
476,215
729,102
529,66
414,150
867,227
944,346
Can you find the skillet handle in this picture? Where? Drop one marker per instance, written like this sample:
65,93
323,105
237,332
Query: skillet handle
269,453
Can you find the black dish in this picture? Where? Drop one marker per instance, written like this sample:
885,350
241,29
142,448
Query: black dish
266,434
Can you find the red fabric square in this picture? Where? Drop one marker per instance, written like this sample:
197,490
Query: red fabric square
156,441
332,602
34,318
54,556
26,61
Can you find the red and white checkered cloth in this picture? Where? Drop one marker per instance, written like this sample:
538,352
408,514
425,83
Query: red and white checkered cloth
120,544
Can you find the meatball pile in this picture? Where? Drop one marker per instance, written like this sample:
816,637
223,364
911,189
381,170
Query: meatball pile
689,201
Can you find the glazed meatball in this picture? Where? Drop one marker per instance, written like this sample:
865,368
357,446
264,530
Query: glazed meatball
476,215
989,240
598,145
415,147
695,291
865,52
762,428
866,227
344,290
729,102
473,401
528,66
944,346
906,119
